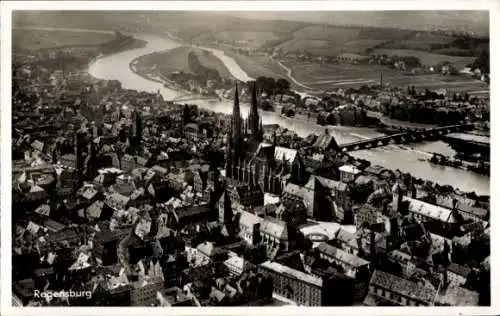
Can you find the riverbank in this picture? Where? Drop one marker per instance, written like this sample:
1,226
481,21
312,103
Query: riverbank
184,94
116,67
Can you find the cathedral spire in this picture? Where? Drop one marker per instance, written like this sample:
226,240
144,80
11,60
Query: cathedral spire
253,117
236,130
236,119
253,109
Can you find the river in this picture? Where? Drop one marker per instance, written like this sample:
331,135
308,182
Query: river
405,158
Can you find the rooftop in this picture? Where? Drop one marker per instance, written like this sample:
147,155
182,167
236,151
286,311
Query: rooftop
458,296
274,227
324,141
249,219
429,210
294,274
349,169
287,154
341,255
461,270
402,286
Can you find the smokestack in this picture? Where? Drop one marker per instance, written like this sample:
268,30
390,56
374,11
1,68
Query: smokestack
381,81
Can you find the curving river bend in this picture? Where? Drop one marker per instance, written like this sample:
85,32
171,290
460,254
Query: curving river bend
404,158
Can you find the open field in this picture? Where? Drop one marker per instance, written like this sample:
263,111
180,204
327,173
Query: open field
177,60
429,58
420,41
333,76
256,65
361,45
330,41
26,39
313,46
253,39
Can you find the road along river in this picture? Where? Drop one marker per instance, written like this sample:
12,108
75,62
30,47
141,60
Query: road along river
405,158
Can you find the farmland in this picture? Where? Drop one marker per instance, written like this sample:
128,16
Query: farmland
252,39
422,41
176,60
332,76
458,62
330,41
30,39
256,65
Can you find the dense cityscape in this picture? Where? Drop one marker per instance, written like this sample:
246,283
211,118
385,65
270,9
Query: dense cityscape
122,197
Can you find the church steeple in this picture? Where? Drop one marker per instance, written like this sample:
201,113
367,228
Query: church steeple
236,132
236,118
253,117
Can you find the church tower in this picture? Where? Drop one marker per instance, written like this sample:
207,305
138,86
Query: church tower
253,117
236,130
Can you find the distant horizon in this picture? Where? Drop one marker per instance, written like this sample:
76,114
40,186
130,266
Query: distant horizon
476,21
473,21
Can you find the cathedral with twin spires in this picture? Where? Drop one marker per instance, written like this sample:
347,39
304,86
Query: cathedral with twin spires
253,162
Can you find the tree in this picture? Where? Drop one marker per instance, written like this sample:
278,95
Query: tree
282,85
267,84
482,61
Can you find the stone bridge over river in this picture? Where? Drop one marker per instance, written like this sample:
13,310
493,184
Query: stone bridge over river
408,136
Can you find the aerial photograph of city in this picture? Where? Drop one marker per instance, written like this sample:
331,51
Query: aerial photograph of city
250,158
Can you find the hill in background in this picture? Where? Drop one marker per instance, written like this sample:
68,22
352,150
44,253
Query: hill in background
476,22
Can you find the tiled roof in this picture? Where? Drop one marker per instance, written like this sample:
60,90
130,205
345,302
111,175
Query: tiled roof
192,210
208,249
402,286
142,161
38,145
128,158
341,255
324,141
88,192
139,172
244,191
345,236
274,227
294,189
399,256
159,170
374,169
429,210
249,219
458,296
287,153
116,200
137,193
125,189
295,274
459,269
349,169
43,209
94,210
236,261
53,225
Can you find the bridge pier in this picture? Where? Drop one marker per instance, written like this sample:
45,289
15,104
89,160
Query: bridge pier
414,135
